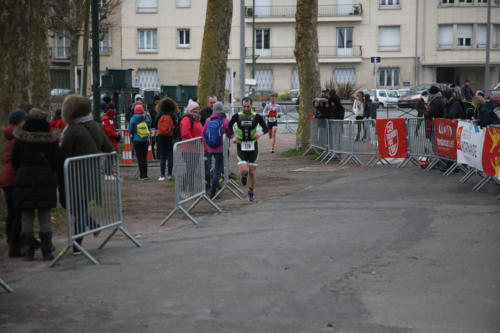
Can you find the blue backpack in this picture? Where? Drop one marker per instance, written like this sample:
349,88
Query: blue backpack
213,135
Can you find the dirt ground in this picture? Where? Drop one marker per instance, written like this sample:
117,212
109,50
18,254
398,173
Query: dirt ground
147,203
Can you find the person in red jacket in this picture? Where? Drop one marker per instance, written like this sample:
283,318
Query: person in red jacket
7,181
108,123
57,121
191,126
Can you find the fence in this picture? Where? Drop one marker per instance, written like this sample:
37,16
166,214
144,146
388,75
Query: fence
93,200
189,177
6,286
228,182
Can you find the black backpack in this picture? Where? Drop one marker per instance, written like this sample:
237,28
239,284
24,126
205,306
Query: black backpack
468,108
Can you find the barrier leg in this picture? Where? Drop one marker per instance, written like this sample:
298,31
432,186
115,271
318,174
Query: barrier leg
188,215
230,189
60,255
132,238
108,238
85,253
482,183
195,203
451,169
231,182
172,212
6,286
212,203
467,176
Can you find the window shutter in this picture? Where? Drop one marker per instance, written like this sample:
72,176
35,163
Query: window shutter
389,38
147,5
446,36
481,35
183,3
464,31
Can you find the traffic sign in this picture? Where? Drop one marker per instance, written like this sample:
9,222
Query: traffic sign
374,59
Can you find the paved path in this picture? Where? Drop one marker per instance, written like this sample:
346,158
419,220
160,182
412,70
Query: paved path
374,250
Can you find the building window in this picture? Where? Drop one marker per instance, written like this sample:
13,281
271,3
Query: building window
227,84
62,45
446,36
262,42
148,40
389,38
148,78
295,78
104,43
481,36
184,39
344,75
464,1
147,6
264,78
344,42
388,77
447,2
183,3
389,3
464,34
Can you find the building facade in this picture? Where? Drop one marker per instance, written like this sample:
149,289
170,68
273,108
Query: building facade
418,42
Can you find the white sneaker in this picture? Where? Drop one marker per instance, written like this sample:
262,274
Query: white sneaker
161,179
169,178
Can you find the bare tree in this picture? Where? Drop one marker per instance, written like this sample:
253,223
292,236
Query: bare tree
212,77
67,17
306,54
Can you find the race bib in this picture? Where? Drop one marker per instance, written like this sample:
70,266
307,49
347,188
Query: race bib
248,145
272,119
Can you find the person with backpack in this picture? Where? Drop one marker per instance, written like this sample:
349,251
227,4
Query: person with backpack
453,108
213,132
486,112
167,123
139,129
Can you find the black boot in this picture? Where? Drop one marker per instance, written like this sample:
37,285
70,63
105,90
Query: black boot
28,248
15,249
46,245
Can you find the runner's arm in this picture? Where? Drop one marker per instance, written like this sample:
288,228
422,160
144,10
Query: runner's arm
262,123
234,120
265,112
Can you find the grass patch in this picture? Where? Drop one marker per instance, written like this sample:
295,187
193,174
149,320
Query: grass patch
294,153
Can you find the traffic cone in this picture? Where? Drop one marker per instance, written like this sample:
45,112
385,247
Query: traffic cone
150,152
127,150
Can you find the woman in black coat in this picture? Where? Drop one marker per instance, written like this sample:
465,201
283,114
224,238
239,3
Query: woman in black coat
34,156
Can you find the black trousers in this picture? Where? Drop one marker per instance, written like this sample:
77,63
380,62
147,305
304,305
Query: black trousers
141,150
13,223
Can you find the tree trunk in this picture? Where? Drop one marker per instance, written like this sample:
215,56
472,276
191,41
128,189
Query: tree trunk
73,58
306,55
40,90
212,77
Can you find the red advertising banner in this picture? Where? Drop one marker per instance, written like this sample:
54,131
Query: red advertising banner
445,138
491,152
392,138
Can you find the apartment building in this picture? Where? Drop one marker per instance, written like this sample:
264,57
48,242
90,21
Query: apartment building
418,42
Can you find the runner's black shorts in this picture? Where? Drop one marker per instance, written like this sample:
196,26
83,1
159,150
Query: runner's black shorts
271,125
250,157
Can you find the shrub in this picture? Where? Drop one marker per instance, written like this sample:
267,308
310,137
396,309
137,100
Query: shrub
346,90
284,96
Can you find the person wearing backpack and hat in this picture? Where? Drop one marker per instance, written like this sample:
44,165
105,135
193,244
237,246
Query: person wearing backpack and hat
35,155
139,129
167,121
213,132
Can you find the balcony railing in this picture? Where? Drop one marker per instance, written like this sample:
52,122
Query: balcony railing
105,50
59,53
287,52
290,11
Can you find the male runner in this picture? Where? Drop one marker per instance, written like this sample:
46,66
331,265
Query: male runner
272,111
246,139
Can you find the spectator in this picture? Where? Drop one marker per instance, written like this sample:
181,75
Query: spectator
82,136
168,132
486,112
436,110
34,156
467,92
139,129
57,121
421,108
453,108
324,93
152,114
190,124
109,126
358,110
219,118
207,110
367,116
138,100
16,119
335,105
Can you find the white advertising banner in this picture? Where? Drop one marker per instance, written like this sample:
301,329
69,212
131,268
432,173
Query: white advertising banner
470,140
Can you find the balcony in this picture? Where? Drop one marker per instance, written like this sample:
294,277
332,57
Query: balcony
59,53
326,13
285,54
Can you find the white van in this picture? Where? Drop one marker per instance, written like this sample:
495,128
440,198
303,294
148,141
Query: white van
384,97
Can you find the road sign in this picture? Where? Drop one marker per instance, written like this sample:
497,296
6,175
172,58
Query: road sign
251,82
374,59
406,84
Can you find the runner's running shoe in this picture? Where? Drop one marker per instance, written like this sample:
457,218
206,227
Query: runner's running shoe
244,181
251,196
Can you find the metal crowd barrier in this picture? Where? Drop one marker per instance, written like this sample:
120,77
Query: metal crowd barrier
189,177
5,286
93,200
318,137
228,182
341,142
419,141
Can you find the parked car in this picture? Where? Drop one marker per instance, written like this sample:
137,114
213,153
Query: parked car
410,99
384,97
494,97
294,94
262,94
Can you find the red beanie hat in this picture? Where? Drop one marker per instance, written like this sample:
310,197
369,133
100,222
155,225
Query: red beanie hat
138,109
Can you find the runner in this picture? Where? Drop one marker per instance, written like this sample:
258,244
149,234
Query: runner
246,140
272,111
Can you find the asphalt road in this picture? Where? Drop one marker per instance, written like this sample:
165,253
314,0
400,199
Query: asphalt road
372,250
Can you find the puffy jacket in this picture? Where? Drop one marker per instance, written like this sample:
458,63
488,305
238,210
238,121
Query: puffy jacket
136,119
8,175
188,132
57,122
358,108
487,115
454,110
108,124
436,107
225,129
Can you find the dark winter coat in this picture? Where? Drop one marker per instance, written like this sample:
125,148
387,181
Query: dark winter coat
205,113
337,110
454,110
34,156
487,115
436,107
8,175
420,107
467,93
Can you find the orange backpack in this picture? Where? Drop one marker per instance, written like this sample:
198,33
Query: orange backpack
165,125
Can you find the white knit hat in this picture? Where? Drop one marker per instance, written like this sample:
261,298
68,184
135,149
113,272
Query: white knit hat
191,106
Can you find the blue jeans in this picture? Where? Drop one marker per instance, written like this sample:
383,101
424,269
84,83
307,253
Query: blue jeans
219,166
166,153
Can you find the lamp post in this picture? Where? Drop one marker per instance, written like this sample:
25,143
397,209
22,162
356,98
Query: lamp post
96,91
487,62
242,49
